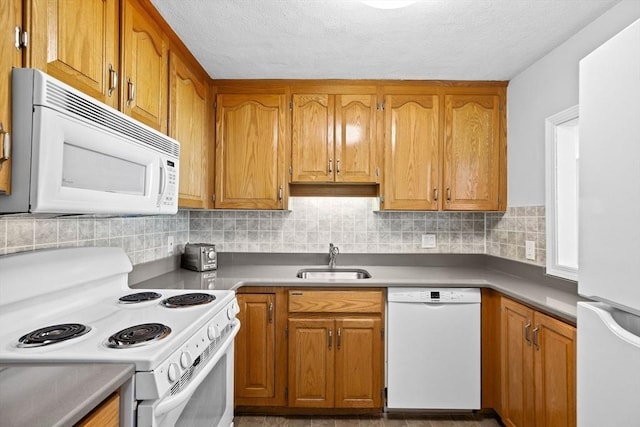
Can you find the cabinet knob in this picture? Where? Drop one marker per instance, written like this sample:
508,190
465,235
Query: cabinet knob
131,91
5,144
536,344
330,335
527,331
330,166
338,166
113,80
435,194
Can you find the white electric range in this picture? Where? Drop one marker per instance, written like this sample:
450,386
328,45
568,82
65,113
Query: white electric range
74,305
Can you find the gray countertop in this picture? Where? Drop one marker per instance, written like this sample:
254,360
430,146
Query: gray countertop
556,297
56,395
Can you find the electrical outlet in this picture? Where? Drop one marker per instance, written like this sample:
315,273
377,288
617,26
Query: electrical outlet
429,241
170,244
530,249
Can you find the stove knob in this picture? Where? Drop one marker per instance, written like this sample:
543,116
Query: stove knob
230,313
174,370
211,255
211,333
185,360
218,331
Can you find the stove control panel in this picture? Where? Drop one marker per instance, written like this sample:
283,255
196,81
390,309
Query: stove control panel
174,373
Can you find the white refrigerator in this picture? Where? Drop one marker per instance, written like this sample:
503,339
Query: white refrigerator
608,348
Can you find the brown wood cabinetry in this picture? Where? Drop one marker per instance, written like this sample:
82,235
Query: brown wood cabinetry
250,151
145,62
336,349
472,152
76,41
107,414
189,123
538,368
260,348
10,56
412,156
333,138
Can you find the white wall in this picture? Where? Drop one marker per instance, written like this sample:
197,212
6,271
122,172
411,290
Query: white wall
548,86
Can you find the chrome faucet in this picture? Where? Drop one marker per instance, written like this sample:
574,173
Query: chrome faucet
333,254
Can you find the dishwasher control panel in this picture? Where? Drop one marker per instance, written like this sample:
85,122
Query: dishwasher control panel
434,295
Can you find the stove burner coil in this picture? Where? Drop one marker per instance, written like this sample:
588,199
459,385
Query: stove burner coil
52,334
139,297
138,335
188,300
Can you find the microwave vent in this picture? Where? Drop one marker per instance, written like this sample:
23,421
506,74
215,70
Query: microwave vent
92,111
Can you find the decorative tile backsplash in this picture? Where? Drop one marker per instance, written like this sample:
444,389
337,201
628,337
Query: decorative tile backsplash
507,233
144,238
309,226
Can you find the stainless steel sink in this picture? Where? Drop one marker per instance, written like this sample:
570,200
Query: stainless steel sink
333,273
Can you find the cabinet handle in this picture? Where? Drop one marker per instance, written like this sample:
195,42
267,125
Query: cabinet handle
339,338
113,80
5,144
448,194
527,332
280,193
131,91
535,337
330,333
435,194
330,166
271,312
17,42
338,166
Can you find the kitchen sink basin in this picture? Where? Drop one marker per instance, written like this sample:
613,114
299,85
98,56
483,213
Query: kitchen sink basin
333,273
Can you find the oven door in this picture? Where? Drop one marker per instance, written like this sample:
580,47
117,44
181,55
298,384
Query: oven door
206,401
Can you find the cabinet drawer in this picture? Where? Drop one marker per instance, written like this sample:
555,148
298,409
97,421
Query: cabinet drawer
303,301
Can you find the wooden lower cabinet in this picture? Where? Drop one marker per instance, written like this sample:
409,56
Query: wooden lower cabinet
260,349
107,414
336,345
538,368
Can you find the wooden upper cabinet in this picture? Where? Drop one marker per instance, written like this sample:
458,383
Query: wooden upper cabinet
145,62
10,18
333,138
472,152
189,124
76,41
412,135
250,151
355,127
312,138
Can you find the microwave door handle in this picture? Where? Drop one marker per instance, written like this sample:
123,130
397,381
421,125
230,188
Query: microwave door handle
163,181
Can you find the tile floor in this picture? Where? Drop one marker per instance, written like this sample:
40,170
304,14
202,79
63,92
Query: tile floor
382,421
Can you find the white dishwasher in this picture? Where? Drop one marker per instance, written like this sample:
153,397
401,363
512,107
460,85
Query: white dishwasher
433,348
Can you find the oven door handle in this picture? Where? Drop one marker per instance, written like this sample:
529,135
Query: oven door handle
183,396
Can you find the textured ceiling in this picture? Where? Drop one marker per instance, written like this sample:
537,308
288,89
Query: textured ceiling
321,39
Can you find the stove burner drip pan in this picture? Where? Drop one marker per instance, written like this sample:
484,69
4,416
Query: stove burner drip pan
188,300
139,297
52,334
138,335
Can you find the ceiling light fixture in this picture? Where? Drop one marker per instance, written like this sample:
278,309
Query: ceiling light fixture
388,4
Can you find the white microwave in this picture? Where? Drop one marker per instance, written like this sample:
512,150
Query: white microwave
72,155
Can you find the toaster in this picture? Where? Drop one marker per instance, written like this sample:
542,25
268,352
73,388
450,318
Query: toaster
199,257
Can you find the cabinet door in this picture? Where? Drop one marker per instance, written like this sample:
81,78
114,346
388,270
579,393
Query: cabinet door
312,138
311,363
188,124
358,380
471,152
411,152
255,349
145,66
555,370
250,152
81,45
517,365
107,414
355,146
10,56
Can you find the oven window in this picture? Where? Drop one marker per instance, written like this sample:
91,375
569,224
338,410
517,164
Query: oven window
208,404
91,170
